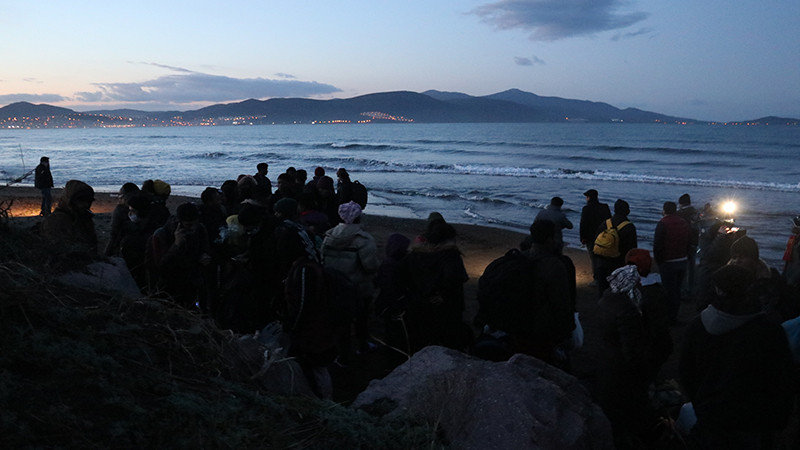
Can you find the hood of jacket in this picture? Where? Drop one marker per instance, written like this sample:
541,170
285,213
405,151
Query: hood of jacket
342,235
73,190
718,322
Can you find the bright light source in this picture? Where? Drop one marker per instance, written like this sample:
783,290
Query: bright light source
729,208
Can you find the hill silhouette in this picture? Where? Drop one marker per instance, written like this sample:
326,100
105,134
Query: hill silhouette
511,106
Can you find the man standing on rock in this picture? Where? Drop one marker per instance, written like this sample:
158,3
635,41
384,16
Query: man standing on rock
43,180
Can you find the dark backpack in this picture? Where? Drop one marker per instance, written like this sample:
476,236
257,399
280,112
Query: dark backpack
359,194
317,296
504,293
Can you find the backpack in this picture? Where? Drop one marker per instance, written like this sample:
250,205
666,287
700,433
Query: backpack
607,242
359,194
504,292
317,296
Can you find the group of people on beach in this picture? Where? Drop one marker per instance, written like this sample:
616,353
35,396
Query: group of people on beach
248,256
739,355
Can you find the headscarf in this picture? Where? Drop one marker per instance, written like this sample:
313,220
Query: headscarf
349,212
625,280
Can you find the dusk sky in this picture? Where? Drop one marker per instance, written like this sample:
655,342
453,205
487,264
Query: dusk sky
701,59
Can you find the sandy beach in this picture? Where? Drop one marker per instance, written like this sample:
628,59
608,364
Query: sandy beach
479,246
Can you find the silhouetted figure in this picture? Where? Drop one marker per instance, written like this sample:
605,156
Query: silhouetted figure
43,180
72,223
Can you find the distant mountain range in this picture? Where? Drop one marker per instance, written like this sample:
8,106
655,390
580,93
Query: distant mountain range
511,106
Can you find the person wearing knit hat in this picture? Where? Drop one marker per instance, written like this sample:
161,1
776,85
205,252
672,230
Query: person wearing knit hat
349,249
286,208
161,189
641,259
736,368
744,253
350,212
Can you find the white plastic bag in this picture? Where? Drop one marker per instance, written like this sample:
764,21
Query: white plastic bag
686,419
577,334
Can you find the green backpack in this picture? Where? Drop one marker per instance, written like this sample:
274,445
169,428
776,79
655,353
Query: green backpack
607,242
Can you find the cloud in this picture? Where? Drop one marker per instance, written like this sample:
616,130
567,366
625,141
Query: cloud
286,76
522,61
164,66
31,98
632,34
191,87
550,20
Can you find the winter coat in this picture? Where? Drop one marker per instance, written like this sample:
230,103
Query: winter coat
352,251
434,277
671,239
737,371
69,225
593,215
554,214
43,179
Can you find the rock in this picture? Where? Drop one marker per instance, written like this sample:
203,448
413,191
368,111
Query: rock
251,360
110,277
521,403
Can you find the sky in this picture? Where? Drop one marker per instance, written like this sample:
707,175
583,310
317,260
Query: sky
700,59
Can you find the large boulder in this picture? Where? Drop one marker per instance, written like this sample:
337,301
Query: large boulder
522,403
111,277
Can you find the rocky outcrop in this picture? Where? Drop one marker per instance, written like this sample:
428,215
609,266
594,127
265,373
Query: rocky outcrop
110,277
521,403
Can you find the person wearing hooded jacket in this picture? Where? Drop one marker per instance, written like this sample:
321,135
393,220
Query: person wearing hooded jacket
633,321
72,221
433,274
736,368
352,251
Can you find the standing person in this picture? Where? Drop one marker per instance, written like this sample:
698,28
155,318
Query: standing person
690,215
43,180
434,276
627,240
350,250
261,176
593,215
791,257
553,213
180,250
311,186
736,368
526,300
344,187
120,222
670,250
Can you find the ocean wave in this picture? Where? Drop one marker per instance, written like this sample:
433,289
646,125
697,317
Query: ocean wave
343,146
471,197
584,174
209,155
660,150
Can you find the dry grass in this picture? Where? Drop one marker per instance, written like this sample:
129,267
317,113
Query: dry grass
80,369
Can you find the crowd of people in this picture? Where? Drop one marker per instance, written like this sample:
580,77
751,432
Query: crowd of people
248,256
739,356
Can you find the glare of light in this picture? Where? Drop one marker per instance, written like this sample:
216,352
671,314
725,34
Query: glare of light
729,208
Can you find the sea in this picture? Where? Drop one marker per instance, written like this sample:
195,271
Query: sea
497,175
